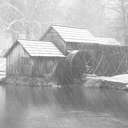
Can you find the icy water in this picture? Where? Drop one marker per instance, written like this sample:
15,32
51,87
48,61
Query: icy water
79,107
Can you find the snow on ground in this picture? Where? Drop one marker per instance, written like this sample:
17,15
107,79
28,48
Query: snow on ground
122,78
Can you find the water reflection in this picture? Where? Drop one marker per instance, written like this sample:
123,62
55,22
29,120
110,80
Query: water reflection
24,107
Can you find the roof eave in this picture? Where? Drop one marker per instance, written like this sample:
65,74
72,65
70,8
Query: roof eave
49,56
9,50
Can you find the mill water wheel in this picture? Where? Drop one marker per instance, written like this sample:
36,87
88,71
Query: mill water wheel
75,64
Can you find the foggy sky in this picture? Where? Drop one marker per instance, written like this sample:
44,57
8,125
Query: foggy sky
34,16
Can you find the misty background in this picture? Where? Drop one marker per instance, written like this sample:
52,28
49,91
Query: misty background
29,19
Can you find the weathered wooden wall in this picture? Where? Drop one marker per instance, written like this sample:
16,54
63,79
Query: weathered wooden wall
15,62
53,36
44,66
74,46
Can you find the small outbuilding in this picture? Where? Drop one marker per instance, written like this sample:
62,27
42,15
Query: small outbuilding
32,58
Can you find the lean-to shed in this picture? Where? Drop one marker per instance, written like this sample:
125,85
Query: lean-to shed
32,58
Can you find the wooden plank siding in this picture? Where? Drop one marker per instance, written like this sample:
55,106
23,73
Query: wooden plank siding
15,60
53,36
43,66
74,46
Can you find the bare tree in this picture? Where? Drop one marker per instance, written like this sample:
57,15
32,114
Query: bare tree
118,18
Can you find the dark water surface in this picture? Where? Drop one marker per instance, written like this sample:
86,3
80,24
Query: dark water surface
79,107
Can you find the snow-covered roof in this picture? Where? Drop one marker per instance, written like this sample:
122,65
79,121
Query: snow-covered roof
70,34
107,41
77,35
41,48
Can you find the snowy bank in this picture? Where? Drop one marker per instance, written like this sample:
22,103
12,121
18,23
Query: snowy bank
117,82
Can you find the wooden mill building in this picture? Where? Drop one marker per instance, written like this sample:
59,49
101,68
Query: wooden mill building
68,39
32,58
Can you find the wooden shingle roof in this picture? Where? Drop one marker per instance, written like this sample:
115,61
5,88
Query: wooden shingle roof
40,48
77,35
70,34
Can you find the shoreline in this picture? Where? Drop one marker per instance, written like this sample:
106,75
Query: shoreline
98,82
89,82
28,81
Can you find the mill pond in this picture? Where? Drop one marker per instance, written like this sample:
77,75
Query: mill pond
46,107
29,99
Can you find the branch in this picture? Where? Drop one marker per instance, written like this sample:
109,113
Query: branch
115,9
12,6
13,22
